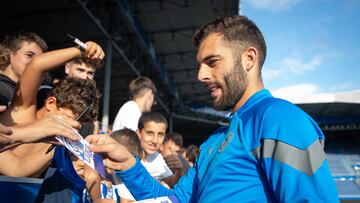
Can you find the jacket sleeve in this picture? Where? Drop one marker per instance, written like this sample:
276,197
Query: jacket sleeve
292,157
143,186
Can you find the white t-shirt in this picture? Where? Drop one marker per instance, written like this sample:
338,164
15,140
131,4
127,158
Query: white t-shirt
155,165
127,117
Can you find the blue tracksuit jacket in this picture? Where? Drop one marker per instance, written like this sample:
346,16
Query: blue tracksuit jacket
271,152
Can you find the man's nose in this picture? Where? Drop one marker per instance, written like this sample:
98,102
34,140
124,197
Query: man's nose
204,73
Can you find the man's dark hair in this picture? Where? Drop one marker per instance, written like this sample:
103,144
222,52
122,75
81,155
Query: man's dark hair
140,85
77,95
14,41
238,30
192,152
175,137
129,139
151,116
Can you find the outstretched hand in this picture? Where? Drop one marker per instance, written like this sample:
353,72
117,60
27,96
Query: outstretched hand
115,155
45,130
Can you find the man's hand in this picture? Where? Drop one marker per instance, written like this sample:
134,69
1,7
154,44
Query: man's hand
116,156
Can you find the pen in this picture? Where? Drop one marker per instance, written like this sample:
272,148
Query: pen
77,41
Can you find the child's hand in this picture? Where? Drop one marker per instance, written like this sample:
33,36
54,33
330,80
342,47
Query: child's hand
91,177
93,183
94,51
45,130
173,162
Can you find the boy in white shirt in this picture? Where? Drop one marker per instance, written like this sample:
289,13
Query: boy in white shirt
142,91
151,131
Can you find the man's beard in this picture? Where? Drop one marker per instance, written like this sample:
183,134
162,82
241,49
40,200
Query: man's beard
233,88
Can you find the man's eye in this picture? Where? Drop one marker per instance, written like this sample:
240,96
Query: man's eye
212,63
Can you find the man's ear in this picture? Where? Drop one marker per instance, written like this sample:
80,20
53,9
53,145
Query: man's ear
67,68
50,104
250,58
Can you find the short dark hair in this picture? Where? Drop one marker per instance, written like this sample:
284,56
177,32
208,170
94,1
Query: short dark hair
151,116
88,62
192,152
129,139
140,85
77,95
14,41
235,29
175,137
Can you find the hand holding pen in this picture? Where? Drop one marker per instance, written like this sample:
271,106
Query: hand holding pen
90,49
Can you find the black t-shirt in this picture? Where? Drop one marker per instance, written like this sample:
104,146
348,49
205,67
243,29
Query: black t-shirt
7,90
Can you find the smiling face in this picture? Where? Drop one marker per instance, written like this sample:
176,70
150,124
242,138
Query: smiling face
221,72
151,137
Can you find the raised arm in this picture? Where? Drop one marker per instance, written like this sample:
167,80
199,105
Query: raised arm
24,99
30,80
43,130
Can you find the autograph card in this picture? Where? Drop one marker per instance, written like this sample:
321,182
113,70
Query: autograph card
81,149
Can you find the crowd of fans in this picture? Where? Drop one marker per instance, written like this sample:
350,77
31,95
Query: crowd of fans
33,113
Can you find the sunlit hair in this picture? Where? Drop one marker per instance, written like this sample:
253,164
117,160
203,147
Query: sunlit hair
139,86
175,137
238,30
77,95
129,139
90,63
13,42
